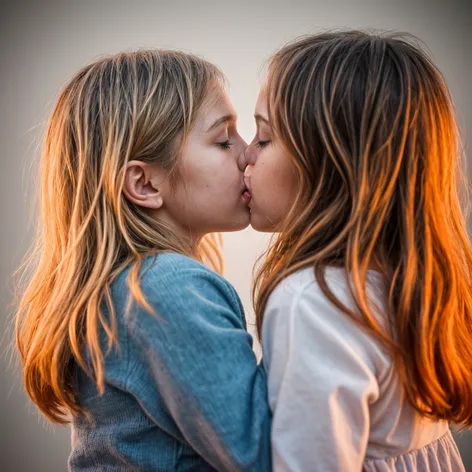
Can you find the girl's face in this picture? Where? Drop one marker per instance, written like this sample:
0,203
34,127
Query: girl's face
209,195
269,176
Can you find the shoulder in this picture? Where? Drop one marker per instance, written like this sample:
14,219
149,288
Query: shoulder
290,289
299,288
168,265
174,283
174,272
301,292
299,308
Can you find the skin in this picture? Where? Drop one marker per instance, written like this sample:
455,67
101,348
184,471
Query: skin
269,175
208,196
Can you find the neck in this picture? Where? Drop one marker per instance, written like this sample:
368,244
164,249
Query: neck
188,236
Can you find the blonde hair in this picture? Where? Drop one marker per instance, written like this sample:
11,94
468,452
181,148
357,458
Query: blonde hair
137,105
369,125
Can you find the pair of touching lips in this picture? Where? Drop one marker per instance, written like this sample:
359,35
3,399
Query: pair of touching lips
247,182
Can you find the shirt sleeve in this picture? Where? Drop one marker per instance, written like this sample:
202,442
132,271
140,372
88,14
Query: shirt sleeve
320,385
200,363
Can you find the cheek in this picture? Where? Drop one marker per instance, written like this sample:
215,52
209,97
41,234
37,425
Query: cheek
225,173
273,190
271,183
218,179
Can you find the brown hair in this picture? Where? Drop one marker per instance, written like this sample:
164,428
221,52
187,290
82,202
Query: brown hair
370,128
137,105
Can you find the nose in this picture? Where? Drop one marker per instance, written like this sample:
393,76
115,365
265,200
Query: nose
248,157
242,159
251,155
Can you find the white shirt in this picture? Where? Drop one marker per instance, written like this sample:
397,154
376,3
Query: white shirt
336,398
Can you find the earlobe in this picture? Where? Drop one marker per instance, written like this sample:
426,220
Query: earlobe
159,201
140,185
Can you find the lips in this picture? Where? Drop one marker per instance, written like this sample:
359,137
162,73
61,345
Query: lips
246,196
247,193
247,176
247,182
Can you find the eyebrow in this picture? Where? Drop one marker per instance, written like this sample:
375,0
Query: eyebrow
262,118
221,120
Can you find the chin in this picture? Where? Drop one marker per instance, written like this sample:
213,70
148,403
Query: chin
239,220
261,223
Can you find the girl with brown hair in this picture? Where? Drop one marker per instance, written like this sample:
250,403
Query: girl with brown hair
363,302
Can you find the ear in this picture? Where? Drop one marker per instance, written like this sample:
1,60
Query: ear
144,184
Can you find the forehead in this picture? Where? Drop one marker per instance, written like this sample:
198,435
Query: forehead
217,104
261,103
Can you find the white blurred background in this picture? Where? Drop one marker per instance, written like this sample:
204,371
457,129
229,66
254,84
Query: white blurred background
44,43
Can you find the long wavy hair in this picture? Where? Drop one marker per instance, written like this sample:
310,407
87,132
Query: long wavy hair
137,105
369,126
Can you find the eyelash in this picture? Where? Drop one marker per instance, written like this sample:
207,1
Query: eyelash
261,144
225,145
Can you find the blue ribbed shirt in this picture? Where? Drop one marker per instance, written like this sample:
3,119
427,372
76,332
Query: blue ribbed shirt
184,392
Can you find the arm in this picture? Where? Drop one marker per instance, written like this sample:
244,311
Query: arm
204,369
320,385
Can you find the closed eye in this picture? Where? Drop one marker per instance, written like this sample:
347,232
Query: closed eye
261,144
225,145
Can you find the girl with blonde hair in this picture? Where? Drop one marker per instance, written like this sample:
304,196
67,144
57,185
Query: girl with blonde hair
122,329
